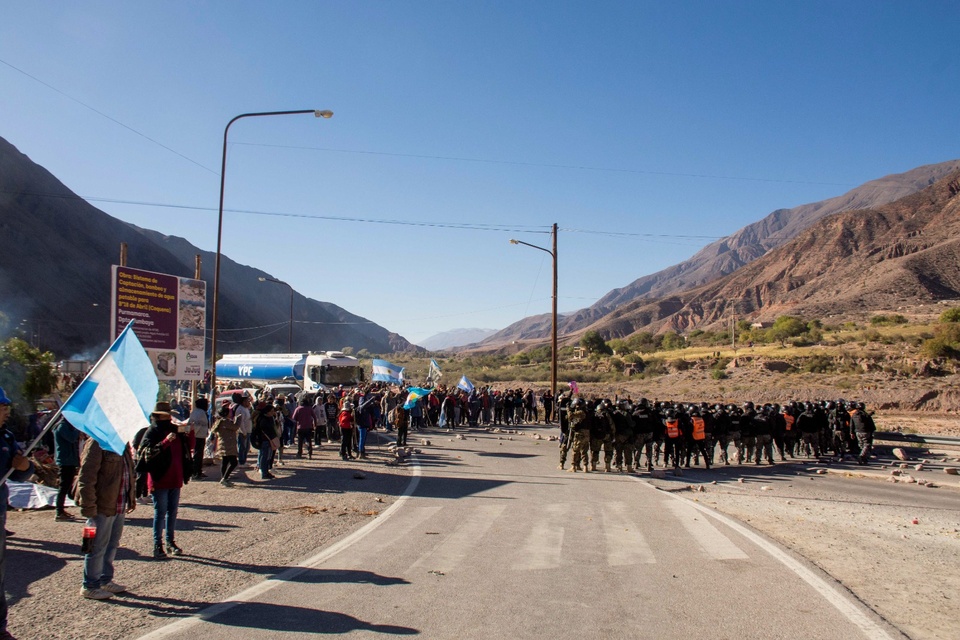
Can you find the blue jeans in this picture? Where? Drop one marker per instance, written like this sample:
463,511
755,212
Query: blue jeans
362,439
165,505
265,458
243,447
98,564
3,568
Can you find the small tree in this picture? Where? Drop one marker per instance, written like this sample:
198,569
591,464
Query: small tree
32,369
594,343
786,327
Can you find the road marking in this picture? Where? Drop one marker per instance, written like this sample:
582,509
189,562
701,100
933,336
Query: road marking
625,544
177,629
840,599
715,544
544,545
448,555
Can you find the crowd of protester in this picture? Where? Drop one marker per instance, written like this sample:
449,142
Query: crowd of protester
182,436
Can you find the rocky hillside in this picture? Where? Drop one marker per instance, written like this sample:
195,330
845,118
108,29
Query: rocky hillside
55,274
891,257
729,254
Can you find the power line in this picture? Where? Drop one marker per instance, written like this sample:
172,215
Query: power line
110,118
469,226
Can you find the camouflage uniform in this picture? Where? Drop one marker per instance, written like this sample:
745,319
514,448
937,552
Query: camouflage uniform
580,432
563,408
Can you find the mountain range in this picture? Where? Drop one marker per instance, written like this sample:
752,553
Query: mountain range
679,297
889,244
55,274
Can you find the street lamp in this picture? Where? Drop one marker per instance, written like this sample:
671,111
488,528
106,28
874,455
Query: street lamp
553,357
216,276
290,337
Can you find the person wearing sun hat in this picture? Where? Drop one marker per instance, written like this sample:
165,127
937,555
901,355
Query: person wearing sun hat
170,467
19,468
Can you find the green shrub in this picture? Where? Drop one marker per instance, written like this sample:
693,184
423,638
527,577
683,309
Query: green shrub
819,364
718,374
950,315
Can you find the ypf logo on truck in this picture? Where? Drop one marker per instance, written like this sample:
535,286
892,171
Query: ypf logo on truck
245,371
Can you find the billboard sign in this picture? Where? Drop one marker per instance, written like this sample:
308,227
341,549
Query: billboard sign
170,314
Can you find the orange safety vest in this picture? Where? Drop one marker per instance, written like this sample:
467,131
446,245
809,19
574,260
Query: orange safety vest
789,420
673,428
699,425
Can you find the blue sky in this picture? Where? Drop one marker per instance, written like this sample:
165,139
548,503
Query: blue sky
685,120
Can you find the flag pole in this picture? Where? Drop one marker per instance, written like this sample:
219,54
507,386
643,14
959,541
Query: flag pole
53,420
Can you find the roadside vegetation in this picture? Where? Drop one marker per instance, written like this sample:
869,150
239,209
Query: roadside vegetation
884,343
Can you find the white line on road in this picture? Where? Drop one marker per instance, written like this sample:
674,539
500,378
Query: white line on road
178,628
838,598
715,544
625,544
544,545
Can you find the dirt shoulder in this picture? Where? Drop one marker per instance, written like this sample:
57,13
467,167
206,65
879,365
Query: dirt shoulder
232,539
896,547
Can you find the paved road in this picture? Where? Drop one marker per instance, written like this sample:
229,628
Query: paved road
492,541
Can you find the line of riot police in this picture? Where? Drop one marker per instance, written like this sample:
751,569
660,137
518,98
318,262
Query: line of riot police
678,432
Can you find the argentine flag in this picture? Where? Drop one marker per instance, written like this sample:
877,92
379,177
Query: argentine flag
414,394
435,373
383,371
465,384
114,401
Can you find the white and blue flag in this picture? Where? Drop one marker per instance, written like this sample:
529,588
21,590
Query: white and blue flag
465,384
383,371
435,372
114,401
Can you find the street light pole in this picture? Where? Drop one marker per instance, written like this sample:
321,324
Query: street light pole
290,333
216,275
553,357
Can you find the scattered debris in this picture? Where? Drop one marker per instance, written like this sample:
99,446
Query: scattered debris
915,521
900,454
896,472
432,533
359,476
766,488
740,480
822,472
918,467
953,471
437,573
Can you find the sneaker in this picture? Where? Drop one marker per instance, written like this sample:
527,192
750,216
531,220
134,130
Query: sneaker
64,516
173,549
113,587
95,594
158,552
226,483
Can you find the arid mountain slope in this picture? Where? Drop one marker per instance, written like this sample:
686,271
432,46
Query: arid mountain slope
725,256
55,274
891,257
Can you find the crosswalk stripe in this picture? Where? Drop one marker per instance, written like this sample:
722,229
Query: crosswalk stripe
625,543
543,547
450,553
715,544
